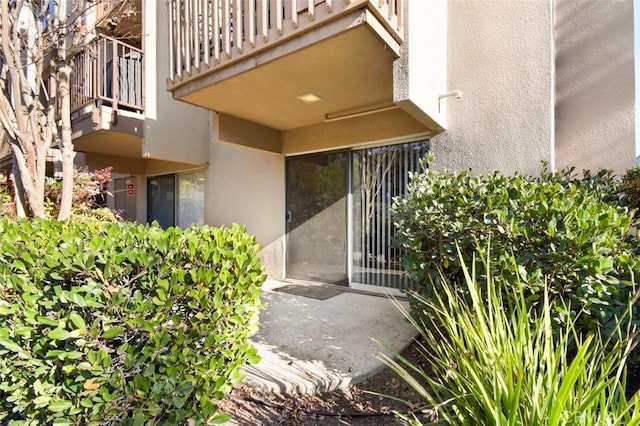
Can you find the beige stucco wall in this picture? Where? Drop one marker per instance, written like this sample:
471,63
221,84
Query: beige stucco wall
595,92
389,125
173,130
420,74
500,55
123,165
246,186
242,132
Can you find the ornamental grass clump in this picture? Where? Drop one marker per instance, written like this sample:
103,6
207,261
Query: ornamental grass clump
493,359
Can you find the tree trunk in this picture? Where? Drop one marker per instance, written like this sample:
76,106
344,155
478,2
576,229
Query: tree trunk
66,144
18,190
30,180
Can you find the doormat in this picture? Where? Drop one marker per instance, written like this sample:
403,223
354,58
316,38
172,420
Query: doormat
312,292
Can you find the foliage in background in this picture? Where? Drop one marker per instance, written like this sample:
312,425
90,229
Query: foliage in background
7,207
494,360
571,232
631,187
116,323
89,192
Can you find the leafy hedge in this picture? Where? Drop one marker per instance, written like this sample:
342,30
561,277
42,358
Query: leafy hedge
571,232
631,187
116,323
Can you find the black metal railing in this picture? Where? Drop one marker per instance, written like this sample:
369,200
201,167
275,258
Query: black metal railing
108,72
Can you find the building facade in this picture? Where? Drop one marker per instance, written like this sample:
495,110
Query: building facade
303,119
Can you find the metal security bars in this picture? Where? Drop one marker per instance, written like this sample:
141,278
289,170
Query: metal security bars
378,175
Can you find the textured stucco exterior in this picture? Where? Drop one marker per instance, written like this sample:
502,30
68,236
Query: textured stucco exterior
173,130
500,56
595,90
420,73
389,125
246,185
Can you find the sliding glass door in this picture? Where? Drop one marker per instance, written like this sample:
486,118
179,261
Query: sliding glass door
319,234
161,196
378,175
317,187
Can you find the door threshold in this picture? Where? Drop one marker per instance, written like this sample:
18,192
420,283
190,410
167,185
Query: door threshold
369,290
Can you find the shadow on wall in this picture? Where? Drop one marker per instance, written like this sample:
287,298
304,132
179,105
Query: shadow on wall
595,93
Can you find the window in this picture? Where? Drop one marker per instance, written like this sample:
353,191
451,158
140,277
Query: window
176,199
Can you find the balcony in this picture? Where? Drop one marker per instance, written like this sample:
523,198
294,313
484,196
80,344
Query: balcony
107,98
255,59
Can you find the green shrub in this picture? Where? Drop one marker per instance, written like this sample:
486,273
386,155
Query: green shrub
116,323
7,207
491,359
570,232
631,187
86,212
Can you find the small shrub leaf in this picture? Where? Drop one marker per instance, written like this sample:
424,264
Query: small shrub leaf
77,320
91,385
221,418
60,405
58,334
112,332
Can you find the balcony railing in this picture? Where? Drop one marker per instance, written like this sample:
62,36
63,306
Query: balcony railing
209,34
109,73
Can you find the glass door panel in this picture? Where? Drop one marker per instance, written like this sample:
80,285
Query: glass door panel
317,186
190,199
378,175
161,194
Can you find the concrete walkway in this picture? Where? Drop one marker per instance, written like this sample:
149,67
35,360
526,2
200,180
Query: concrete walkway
312,346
